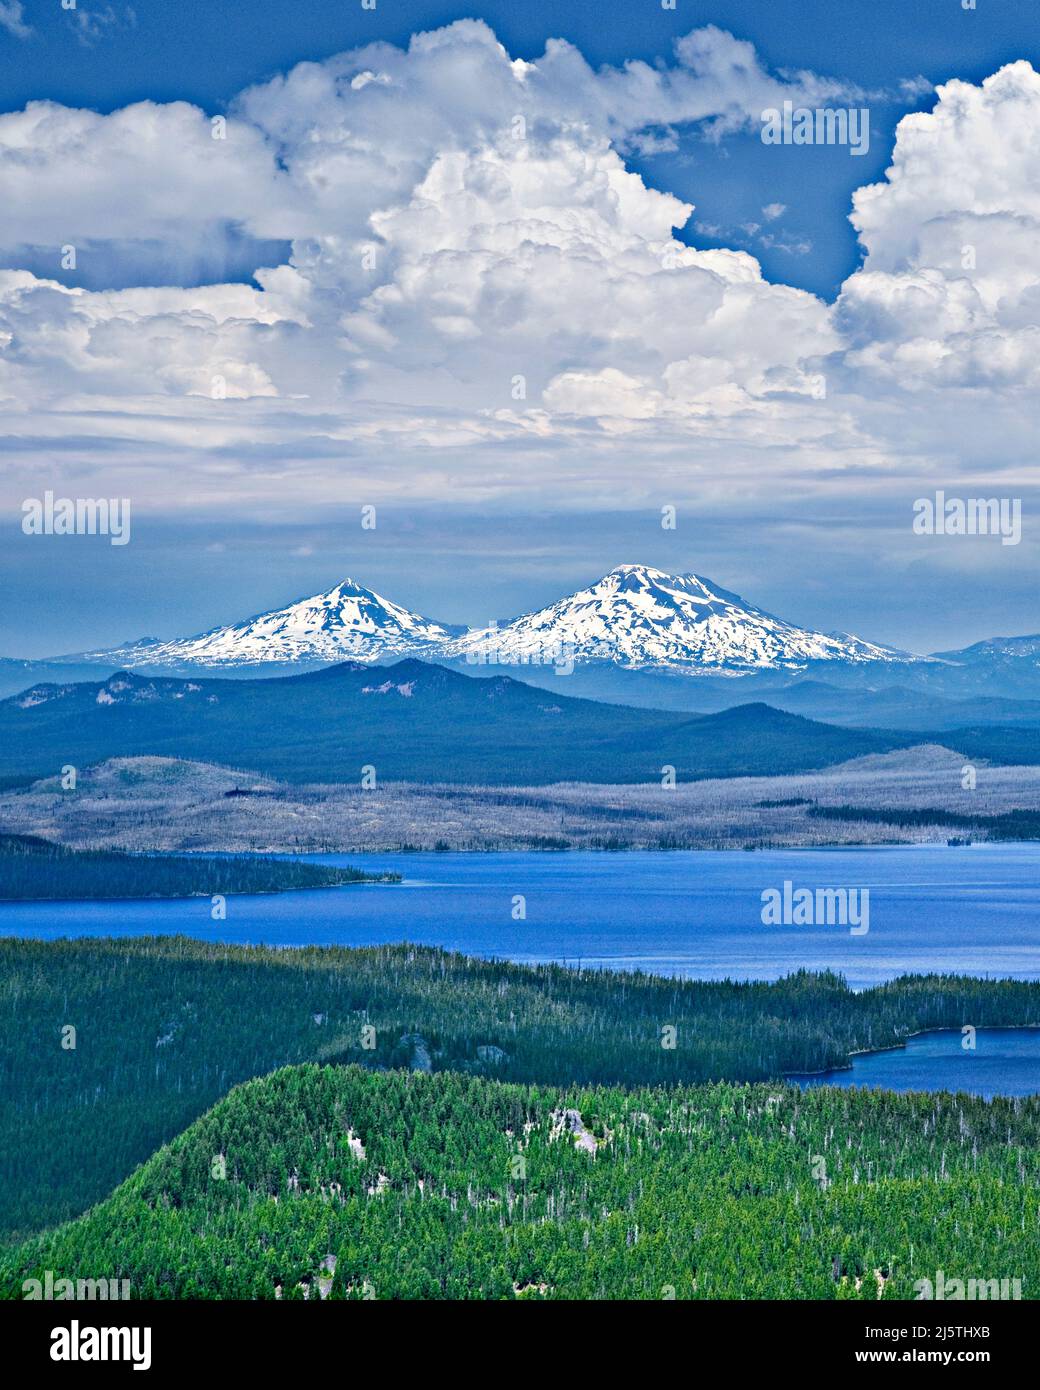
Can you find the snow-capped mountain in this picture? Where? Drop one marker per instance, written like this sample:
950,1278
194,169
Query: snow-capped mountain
349,622
634,618
1023,651
1005,667
638,617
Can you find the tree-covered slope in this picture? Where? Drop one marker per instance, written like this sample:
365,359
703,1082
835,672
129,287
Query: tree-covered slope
332,1182
163,1027
411,721
32,868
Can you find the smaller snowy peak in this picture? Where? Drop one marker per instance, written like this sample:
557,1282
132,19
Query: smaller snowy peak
996,649
637,616
348,621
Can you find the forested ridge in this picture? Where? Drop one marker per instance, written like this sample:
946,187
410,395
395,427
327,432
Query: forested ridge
1016,824
428,724
32,868
334,1182
163,1027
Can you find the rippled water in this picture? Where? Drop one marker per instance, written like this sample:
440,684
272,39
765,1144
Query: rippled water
963,909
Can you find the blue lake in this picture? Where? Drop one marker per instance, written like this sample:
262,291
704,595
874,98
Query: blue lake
1004,1062
965,909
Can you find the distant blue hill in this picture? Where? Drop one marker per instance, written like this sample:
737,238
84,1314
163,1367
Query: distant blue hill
411,721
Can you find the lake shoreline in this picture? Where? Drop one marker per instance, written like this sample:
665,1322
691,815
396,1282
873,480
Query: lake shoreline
173,805
797,1078
537,851
901,1046
196,897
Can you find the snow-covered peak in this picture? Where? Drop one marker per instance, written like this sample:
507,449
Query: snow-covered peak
637,616
346,622
1001,649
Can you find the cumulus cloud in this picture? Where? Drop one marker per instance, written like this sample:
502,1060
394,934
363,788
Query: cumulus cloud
147,183
457,220
949,289
472,273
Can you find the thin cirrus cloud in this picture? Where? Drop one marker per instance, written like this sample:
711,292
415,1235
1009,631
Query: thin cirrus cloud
12,19
476,297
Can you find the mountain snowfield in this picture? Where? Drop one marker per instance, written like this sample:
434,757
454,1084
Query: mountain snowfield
640,617
348,623
635,617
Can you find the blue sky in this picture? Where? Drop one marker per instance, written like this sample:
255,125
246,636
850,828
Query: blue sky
803,510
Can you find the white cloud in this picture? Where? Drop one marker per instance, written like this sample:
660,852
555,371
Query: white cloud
456,219
475,275
92,25
12,18
950,287
149,174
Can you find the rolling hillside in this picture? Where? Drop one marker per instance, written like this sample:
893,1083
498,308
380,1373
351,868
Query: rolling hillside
410,721
330,1182
166,1026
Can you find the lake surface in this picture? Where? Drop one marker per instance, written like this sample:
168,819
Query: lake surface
965,909
1004,1062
